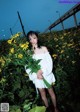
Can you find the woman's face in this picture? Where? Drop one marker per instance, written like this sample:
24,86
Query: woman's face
33,39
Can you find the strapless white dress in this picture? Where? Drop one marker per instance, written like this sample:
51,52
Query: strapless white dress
46,66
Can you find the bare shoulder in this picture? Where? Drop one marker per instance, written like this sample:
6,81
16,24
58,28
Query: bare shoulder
44,48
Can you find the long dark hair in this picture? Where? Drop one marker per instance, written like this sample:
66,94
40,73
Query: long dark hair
33,33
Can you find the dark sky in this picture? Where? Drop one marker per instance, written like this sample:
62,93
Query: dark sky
35,14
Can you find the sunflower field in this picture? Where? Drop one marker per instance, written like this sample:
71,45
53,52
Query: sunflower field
20,92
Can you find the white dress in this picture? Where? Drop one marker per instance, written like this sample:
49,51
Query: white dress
46,66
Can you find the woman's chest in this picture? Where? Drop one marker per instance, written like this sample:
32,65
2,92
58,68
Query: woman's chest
38,51
39,56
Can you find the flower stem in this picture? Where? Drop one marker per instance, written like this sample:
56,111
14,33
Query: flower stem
46,83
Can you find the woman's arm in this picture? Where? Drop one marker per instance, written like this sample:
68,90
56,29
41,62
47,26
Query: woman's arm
48,63
39,74
32,76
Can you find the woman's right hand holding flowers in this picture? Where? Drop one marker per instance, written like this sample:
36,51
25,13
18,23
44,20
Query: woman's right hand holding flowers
39,74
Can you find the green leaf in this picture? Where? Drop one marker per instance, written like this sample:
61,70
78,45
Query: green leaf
16,85
38,109
46,83
18,110
21,93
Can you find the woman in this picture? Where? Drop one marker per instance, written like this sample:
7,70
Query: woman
41,52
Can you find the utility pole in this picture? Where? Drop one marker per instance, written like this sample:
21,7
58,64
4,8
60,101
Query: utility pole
21,24
75,20
60,20
11,31
62,24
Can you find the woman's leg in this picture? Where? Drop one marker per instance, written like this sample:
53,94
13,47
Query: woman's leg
43,96
53,98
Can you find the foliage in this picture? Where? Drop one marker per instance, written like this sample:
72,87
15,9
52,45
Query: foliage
65,50
38,109
19,91
14,83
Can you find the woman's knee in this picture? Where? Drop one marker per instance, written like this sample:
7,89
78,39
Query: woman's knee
43,93
51,91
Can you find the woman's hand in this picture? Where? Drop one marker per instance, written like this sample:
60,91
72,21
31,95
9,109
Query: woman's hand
39,74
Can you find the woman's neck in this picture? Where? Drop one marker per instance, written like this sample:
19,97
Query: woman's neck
35,46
